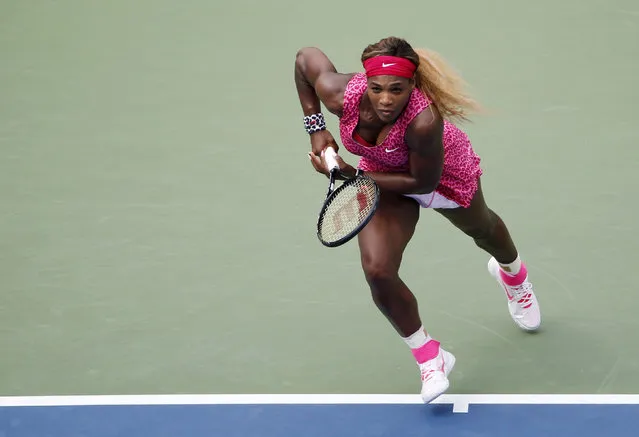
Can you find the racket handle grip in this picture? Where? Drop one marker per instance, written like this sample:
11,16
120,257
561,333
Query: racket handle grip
329,157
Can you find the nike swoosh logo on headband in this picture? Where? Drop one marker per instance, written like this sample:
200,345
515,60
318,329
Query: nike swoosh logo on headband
387,65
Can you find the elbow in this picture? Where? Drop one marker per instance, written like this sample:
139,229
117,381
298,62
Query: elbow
428,182
425,187
305,50
302,54
301,58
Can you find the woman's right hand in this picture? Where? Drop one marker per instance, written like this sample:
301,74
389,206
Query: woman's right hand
321,140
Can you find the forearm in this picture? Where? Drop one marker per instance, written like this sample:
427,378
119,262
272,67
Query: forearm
403,183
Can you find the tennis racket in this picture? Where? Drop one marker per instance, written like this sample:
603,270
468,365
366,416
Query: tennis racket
347,208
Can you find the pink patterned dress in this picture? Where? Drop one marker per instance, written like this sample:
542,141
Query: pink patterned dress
459,179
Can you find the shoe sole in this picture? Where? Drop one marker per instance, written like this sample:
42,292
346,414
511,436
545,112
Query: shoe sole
493,269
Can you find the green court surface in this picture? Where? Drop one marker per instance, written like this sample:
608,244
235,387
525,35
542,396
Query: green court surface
158,207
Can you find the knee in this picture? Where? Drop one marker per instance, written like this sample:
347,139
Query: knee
484,229
378,271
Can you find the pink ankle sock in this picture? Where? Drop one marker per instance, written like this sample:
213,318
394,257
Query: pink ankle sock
515,280
426,352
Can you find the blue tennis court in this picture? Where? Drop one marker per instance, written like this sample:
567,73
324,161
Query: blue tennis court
319,416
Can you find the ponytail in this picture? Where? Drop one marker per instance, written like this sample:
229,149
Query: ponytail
440,82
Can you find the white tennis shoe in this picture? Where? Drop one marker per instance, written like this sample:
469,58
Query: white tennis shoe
435,375
522,302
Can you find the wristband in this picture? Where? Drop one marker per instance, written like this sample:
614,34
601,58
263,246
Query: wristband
314,123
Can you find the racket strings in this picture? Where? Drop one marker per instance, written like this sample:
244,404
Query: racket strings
349,207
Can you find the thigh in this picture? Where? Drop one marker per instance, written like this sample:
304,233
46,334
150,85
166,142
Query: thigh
383,240
477,215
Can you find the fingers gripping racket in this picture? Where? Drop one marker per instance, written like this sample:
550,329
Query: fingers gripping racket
347,208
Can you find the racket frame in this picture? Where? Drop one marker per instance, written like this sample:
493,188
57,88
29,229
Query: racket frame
333,167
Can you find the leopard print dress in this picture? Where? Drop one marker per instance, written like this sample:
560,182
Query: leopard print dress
461,172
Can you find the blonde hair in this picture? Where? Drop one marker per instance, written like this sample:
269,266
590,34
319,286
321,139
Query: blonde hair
434,77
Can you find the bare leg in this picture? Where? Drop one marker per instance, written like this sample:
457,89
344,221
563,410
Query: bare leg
382,243
485,227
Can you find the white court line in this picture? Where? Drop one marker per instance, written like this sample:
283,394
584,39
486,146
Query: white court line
460,402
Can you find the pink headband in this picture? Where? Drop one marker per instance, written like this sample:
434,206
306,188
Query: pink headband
389,65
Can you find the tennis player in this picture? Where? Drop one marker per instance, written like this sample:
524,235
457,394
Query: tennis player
399,117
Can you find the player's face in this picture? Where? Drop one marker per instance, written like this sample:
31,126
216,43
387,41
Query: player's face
389,95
